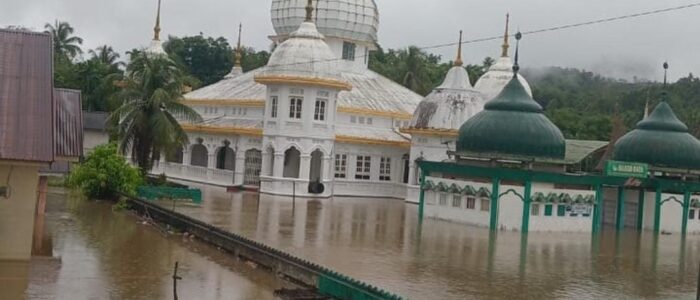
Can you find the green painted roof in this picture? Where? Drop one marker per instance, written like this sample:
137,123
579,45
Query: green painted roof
661,140
512,124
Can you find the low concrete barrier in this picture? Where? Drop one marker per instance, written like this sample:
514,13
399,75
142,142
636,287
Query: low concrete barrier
294,269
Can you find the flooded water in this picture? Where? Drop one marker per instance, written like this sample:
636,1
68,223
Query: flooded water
91,252
381,242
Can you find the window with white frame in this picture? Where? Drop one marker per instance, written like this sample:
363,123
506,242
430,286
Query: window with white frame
353,119
385,169
471,203
320,111
361,120
341,163
369,121
273,106
349,51
535,209
485,204
443,199
456,201
295,104
364,167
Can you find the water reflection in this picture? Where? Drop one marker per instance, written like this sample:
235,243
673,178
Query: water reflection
382,242
101,254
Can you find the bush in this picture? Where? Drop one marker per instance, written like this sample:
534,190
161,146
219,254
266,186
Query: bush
104,174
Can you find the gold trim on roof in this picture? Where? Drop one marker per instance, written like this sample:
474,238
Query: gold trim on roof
226,102
378,113
222,129
300,80
431,131
370,141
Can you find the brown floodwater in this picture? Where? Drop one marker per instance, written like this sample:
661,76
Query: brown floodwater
90,252
380,241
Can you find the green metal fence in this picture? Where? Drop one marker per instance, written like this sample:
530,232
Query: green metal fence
163,192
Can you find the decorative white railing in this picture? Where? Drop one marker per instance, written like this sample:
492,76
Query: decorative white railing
222,176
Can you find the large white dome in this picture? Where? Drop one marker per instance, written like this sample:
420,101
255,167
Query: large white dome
356,20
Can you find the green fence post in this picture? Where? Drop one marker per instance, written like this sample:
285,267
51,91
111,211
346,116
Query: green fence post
657,211
640,210
421,201
493,225
620,213
526,207
598,208
686,208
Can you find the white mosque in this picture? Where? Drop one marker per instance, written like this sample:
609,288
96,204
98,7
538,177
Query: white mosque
316,122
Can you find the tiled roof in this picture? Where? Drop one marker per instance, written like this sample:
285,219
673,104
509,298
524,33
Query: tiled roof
26,96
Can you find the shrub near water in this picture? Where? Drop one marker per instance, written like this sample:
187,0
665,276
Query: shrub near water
104,174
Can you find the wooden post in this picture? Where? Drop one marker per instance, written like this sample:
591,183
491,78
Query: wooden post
175,279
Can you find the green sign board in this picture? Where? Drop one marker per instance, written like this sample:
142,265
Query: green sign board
626,169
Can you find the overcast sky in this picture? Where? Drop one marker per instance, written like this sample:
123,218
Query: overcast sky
627,48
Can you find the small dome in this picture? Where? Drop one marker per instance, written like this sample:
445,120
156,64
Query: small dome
450,104
499,74
356,20
662,140
512,124
304,54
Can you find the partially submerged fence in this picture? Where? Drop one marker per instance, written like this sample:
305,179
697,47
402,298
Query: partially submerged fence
165,192
297,270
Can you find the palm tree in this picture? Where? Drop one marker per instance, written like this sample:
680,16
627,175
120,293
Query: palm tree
414,70
148,119
64,43
106,55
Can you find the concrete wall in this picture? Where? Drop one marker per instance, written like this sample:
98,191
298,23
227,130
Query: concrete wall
92,139
17,211
510,208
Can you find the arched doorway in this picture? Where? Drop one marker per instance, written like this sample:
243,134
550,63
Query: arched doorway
226,158
174,156
316,172
292,160
200,156
253,165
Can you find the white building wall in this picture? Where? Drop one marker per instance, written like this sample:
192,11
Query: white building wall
93,138
510,209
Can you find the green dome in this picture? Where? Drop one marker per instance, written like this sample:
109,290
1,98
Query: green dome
660,140
512,124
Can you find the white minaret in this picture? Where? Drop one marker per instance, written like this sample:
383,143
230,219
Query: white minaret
303,82
156,46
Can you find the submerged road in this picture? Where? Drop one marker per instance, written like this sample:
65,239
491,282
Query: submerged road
379,241
91,252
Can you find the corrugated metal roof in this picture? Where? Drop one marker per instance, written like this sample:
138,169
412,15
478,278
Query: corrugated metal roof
370,91
26,101
69,124
95,120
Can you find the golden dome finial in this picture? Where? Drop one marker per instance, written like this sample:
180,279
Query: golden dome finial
458,61
309,11
156,30
505,38
239,50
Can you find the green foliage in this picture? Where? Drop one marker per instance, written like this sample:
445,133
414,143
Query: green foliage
104,174
209,59
416,69
66,45
151,107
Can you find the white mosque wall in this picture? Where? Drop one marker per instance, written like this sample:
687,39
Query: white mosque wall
671,214
358,62
455,208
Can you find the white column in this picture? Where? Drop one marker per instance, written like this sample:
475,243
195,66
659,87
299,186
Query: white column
211,163
411,173
305,166
186,159
279,165
351,166
239,173
327,168
266,160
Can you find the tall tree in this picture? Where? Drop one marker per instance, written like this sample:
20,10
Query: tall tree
65,44
106,55
205,58
149,116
